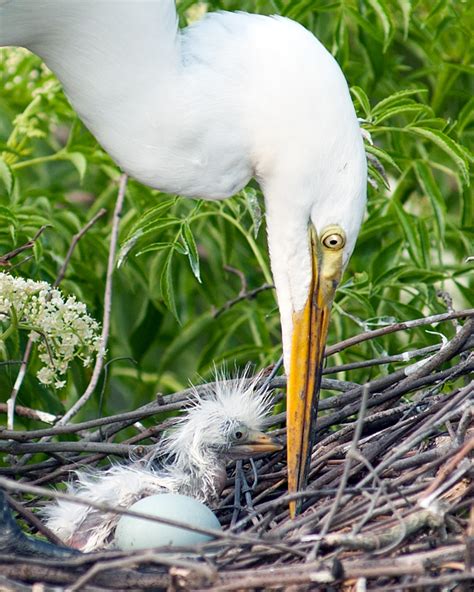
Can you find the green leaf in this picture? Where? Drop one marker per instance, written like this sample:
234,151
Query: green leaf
362,99
430,187
126,247
381,9
191,251
153,214
166,285
402,109
466,115
6,175
449,146
79,161
8,215
408,228
395,99
382,155
405,7
154,247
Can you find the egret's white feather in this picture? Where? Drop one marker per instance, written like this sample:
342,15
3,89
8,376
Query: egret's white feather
199,111
196,452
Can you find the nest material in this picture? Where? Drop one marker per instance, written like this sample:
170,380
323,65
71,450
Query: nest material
389,503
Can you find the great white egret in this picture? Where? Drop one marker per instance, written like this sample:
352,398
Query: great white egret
225,424
200,111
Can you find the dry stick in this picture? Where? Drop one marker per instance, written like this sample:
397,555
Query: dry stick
12,447
35,414
18,382
26,356
25,569
75,239
345,475
99,362
444,472
151,408
400,531
4,259
447,316
242,296
446,351
388,537
312,574
425,428
33,519
146,557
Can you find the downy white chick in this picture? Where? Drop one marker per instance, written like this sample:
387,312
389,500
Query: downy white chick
225,424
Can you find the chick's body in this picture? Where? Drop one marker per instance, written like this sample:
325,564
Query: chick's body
226,424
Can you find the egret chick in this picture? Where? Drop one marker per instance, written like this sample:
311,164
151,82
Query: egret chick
224,425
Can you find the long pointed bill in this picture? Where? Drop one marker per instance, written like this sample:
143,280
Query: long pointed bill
310,328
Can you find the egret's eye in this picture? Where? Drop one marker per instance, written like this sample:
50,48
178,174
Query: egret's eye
239,434
333,240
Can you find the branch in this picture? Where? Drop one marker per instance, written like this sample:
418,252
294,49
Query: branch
75,239
99,363
5,259
242,296
447,316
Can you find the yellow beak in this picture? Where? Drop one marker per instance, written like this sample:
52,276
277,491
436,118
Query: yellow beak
254,443
310,328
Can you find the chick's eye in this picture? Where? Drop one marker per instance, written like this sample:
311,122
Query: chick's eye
333,240
238,435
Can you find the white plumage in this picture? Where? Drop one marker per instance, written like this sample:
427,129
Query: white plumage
200,111
224,424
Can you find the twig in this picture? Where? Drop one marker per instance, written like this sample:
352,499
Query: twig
242,296
30,413
99,362
345,475
5,259
386,538
13,447
33,520
18,382
447,316
193,568
427,496
75,239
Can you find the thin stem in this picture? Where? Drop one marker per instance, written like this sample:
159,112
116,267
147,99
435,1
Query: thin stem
99,363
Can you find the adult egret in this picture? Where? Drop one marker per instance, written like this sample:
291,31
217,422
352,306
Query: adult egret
200,111
224,425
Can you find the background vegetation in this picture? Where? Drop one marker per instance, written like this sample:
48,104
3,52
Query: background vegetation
409,66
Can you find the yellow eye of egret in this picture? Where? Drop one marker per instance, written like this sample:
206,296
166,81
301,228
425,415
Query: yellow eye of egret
333,240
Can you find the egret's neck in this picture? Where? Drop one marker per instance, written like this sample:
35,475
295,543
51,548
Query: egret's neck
288,244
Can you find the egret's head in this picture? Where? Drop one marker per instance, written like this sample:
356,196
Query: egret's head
314,177
224,423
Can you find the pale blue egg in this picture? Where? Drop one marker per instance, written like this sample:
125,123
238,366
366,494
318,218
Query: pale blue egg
138,533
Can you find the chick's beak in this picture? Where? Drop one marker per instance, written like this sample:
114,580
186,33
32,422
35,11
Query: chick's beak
310,328
254,443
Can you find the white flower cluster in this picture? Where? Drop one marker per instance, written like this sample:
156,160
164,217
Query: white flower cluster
61,327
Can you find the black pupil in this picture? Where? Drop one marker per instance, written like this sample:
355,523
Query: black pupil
238,435
334,241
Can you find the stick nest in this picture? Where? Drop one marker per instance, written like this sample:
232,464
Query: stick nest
389,502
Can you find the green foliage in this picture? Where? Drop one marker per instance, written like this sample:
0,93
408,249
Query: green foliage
180,261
